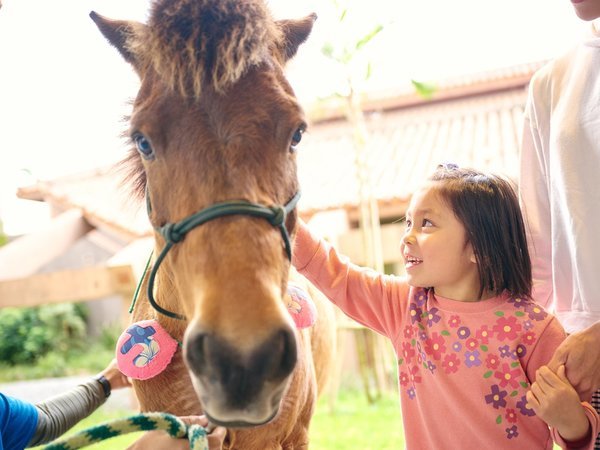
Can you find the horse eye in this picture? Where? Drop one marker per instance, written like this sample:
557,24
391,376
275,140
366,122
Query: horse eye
296,138
143,146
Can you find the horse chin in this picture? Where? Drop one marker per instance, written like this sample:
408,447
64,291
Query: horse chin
220,411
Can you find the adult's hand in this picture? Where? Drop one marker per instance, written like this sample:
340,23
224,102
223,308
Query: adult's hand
160,440
580,354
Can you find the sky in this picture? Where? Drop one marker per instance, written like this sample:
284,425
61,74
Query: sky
64,90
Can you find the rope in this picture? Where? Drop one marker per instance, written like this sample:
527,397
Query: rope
173,425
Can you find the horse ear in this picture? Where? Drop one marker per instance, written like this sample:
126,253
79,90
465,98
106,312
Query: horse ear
295,32
119,33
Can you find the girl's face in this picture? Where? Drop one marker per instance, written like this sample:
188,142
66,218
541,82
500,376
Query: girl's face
587,9
435,249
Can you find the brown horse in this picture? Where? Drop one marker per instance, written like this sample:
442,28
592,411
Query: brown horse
214,129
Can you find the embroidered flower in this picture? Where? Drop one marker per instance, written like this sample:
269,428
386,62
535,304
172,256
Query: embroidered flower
433,316
529,338
463,332
414,375
511,415
512,432
505,351
451,363
421,297
411,393
408,332
492,361
536,312
508,376
521,351
472,359
518,302
472,343
457,346
435,346
422,335
431,366
483,334
496,397
524,407
454,321
403,379
507,328
407,351
415,313
528,325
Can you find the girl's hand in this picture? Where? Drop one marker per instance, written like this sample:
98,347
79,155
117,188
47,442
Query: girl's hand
557,403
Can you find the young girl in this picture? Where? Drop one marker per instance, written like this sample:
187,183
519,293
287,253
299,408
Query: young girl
469,340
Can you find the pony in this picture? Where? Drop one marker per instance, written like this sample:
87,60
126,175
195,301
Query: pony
214,131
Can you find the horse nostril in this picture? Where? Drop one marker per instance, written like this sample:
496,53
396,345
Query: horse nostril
288,354
195,353
276,358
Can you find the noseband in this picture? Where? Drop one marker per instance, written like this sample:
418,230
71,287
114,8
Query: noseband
174,233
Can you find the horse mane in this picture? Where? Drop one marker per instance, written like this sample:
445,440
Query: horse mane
195,43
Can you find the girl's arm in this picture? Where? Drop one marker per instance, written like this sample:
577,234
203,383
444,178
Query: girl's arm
554,399
375,300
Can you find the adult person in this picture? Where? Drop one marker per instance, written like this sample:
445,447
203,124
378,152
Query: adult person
25,425
560,196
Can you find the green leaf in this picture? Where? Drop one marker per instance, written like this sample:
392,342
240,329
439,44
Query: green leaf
524,384
499,313
514,393
484,348
400,361
425,90
369,36
445,333
499,419
413,342
488,374
514,364
519,313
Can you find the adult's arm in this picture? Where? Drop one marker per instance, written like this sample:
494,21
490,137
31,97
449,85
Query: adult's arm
534,197
580,354
60,413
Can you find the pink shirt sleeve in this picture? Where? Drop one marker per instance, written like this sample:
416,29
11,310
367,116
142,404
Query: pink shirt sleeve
375,300
592,415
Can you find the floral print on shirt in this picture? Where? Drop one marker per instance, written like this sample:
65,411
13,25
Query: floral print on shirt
443,348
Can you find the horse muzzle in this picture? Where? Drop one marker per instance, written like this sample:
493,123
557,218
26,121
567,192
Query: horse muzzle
240,388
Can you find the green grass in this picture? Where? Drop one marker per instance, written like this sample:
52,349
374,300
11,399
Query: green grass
353,424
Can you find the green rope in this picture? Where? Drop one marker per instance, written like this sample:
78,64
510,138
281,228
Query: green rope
173,425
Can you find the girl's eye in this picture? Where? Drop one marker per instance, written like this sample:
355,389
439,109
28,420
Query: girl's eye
297,137
408,223
143,146
427,223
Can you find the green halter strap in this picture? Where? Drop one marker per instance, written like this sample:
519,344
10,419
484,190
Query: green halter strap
174,233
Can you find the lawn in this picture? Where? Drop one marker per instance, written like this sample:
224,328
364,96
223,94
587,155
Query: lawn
354,424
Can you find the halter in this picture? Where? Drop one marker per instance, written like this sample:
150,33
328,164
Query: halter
174,233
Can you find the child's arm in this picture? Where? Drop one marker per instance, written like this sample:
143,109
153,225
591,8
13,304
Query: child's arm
557,403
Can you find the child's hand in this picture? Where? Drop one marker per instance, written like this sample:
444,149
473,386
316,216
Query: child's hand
557,403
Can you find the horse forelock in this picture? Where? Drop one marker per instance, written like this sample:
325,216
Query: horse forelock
196,43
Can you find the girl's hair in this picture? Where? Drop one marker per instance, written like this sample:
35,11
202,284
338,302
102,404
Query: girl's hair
488,208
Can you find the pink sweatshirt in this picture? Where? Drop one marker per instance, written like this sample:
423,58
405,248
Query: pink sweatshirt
464,368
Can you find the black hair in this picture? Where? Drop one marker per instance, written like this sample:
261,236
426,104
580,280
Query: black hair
488,208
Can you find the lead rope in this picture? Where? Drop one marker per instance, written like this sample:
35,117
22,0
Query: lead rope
173,425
